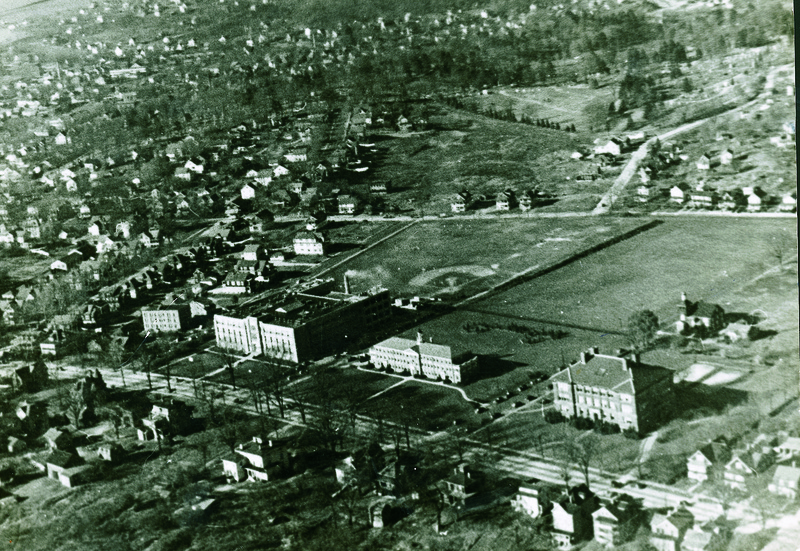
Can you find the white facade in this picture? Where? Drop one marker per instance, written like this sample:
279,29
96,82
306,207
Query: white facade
241,335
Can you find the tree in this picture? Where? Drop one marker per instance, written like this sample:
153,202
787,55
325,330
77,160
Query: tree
76,406
115,415
781,246
582,453
642,328
149,353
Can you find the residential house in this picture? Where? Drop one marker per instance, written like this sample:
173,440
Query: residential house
416,357
788,449
612,147
84,212
255,461
572,517
678,193
505,200
149,240
530,500
33,418
746,465
347,204
785,481
168,417
726,156
613,389
361,468
732,200
58,439
463,485
31,378
280,170
297,187
645,192
402,476
705,538
248,192
527,200
309,243
788,202
669,530
703,198
703,163
705,317
756,197
708,463
617,522
123,229
460,201
254,252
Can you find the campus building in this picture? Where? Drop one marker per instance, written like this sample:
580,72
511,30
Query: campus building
434,361
304,325
165,320
613,389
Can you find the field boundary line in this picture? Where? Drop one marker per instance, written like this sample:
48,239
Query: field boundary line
365,249
529,275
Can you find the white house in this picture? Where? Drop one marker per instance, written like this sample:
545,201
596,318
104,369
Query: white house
248,192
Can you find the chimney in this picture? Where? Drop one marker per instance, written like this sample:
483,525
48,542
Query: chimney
346,285
257,440
634,358
683,296
419,337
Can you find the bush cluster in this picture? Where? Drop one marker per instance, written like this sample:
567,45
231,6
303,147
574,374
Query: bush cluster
530,335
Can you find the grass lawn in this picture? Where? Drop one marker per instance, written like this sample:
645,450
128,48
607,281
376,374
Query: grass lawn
200,365
444,257
427,406
482,154
705,258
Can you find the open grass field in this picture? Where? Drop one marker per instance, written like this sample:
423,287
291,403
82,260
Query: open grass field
464,257
506,359
706,258
426,406
561,104
482,154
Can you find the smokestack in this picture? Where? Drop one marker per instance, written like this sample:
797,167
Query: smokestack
346,285
419,337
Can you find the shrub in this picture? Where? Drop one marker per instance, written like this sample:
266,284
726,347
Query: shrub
631,433
553,417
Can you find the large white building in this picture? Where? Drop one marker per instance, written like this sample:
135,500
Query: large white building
309,243
613,389
434,361
166,320
304,325
238,334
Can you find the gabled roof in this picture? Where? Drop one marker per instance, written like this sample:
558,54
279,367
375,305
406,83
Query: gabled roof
789,474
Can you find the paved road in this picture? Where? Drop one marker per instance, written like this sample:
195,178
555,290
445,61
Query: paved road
613,194
515,463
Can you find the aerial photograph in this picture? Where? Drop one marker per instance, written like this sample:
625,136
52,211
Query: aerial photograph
373,275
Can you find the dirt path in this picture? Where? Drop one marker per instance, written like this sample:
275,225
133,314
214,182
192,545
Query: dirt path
536,102
632,167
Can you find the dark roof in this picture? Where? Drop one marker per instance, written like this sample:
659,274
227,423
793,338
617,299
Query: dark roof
612,373
61,459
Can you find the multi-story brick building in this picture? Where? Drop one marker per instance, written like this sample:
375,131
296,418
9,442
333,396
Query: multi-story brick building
613,389
166,320
304,325
417,357
238,334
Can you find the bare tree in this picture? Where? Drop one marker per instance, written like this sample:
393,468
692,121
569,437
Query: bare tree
782,246
582,453
114,414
